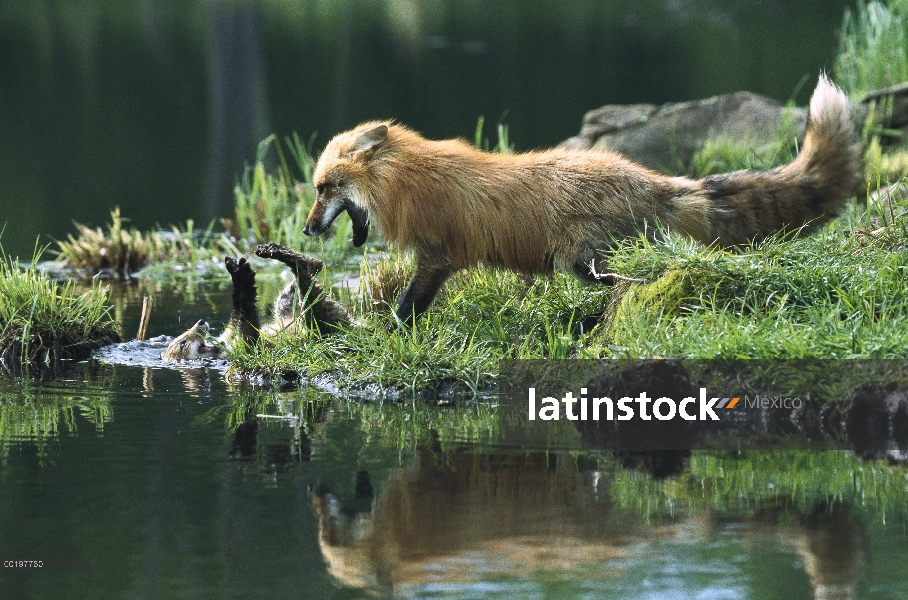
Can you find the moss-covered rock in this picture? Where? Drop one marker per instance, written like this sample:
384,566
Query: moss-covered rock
676,291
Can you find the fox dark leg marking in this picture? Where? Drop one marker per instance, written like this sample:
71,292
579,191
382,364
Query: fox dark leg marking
300,264
244,292
421,290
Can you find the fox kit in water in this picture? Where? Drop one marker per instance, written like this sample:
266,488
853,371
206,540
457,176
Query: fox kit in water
455,206
304,297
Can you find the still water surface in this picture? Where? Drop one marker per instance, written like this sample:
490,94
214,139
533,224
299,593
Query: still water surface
174,484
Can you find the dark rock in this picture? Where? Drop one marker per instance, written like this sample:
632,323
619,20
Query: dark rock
666,137
658,378
875,418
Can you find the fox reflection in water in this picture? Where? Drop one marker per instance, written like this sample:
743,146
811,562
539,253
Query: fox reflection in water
535,512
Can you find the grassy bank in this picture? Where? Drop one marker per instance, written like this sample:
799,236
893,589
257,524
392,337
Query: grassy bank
837,294
43,321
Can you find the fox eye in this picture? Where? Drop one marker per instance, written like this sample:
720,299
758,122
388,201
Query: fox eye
321,189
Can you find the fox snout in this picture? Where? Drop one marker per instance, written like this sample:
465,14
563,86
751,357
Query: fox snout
323,214
314,222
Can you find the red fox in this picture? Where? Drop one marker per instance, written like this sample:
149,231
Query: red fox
455,206
303,298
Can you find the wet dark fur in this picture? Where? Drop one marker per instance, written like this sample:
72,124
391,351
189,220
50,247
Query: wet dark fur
303,297
321,312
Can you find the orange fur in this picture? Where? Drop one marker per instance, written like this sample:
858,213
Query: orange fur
455,206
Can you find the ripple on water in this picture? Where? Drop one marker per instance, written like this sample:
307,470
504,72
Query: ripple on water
147,353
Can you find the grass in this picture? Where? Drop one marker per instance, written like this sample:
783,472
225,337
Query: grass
873,47
482,317
42,321
124,251
724,154
837,294
272,206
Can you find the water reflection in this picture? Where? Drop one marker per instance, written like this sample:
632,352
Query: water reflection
287,495
460,519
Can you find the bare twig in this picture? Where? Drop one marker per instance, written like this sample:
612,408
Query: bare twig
614,276
146,316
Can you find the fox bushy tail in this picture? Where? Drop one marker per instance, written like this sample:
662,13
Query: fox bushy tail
750,205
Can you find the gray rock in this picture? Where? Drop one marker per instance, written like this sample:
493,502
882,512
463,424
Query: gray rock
666,137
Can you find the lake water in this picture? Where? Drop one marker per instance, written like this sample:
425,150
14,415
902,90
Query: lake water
172,483
155,106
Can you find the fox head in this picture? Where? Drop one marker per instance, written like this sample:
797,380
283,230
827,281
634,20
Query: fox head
190,345
341,178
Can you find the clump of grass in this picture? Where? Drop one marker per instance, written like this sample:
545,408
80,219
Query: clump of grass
42,321
503,145
382,282
125,251
873,47
271,206
891,166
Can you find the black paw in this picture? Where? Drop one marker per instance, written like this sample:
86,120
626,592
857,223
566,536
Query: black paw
244,292
300,263
268,250
231,264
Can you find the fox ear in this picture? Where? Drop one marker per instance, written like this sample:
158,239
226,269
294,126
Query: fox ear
369,139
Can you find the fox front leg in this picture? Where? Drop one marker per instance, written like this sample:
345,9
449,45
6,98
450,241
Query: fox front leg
421,291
